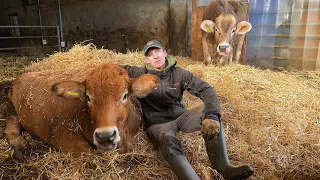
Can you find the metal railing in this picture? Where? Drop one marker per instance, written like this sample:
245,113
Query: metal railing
41,36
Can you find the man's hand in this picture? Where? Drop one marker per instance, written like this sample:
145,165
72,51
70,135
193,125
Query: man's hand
210,128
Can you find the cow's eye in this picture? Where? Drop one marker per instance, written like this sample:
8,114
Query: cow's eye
233,31
88,98
124,97
217,31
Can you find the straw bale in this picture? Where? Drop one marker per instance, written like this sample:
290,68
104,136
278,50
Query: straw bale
271,121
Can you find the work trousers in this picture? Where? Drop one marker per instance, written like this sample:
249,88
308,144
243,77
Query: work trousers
164,135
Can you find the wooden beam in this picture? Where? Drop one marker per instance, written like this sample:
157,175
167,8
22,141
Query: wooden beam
196,34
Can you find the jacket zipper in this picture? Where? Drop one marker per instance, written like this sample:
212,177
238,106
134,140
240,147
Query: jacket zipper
161,87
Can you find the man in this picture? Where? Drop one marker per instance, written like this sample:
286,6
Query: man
165,116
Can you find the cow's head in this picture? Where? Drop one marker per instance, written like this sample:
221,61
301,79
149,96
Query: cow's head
107,90
224,29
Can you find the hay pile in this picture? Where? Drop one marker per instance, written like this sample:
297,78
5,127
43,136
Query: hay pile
271,120
12,66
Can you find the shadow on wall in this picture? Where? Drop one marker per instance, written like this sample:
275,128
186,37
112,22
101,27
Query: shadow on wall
121,40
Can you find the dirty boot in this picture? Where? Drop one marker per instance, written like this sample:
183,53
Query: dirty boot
217,152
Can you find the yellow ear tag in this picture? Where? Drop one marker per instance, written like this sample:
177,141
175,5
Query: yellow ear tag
208,28
73,93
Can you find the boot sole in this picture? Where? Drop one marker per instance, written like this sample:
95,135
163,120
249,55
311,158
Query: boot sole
247,174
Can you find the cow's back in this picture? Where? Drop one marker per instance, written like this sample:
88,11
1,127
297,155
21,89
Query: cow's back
217,7
43,113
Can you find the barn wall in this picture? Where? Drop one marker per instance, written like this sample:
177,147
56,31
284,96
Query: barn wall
26,15
113,24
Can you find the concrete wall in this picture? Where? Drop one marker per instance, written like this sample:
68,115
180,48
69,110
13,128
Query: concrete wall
177,27
26,16
113,24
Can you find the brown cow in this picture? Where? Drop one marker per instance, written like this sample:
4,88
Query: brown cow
70,115
224,25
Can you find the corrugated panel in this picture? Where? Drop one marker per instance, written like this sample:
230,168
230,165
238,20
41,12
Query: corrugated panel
284,33
307,15
201,3
261,38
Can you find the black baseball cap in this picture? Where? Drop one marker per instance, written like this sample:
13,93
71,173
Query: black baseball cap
151,44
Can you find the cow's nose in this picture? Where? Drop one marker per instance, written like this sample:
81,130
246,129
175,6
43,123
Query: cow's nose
223,48
106,136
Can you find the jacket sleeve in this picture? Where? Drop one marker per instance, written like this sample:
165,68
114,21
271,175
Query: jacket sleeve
204,91
134,71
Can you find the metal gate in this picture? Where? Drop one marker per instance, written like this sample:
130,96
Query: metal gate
27,37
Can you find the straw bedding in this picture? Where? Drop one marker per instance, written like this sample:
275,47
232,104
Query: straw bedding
271,121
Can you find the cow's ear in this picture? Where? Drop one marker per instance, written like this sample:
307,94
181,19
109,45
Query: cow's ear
243,27
207,26
69,89
144,84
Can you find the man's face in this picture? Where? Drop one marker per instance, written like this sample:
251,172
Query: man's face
156,57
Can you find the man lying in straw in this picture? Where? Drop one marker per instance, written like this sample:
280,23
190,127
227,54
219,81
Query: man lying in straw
165,116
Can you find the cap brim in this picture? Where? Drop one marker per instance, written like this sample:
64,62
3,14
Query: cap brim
154,46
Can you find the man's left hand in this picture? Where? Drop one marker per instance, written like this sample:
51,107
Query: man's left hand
210,128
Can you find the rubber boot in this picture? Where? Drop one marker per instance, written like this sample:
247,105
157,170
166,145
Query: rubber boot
217,152
171,151
182,168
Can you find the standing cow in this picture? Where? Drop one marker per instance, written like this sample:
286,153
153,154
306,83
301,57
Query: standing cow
224,26
72,115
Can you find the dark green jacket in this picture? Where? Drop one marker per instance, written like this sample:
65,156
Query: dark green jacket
164,102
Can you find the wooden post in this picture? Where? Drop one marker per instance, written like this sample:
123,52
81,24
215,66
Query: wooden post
318,59
196,34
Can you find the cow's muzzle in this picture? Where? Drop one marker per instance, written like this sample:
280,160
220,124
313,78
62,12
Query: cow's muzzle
224,49
106,138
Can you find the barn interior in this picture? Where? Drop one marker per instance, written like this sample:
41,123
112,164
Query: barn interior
270,103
